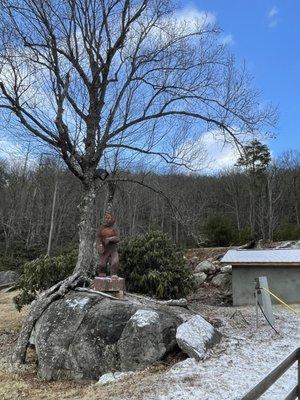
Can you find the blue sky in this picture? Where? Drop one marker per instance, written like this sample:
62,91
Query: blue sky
266,34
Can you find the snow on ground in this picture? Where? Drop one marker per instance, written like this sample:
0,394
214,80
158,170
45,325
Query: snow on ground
235,365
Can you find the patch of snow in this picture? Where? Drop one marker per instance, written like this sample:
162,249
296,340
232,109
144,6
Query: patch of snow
73,303
194,336
144,317
242,359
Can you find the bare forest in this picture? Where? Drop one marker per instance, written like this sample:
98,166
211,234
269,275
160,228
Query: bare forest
184,206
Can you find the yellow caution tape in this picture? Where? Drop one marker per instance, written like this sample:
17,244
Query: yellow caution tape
281,301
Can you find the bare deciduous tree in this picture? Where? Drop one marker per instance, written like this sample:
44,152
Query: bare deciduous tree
90,77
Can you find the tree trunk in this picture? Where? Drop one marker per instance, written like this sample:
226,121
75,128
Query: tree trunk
84,268
85,264
52,219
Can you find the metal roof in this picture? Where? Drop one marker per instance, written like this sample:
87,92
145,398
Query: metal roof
262,256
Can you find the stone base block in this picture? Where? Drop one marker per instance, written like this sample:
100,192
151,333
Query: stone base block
109,284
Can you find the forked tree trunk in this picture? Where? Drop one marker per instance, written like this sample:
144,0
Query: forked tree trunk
85,263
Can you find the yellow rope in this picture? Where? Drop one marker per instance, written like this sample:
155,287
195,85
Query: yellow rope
282,302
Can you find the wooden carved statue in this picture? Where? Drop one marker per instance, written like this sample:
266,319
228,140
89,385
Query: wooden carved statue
107,245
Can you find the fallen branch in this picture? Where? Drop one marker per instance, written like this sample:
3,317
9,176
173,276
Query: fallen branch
6,285
180,302
81,289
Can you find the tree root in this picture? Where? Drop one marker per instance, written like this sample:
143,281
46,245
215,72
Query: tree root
39,305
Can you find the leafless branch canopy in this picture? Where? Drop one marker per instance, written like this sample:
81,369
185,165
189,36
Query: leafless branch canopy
91,77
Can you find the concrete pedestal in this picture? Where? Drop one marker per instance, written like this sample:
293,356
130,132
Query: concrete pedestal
113,285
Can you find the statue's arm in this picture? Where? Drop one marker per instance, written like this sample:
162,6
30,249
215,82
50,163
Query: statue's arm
112,239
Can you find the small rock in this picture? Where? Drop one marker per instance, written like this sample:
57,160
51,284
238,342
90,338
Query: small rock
111,377
192,262
222,280
289,245
121,375
106,378
195,336
199,278
226,269
284,245
205,266
7,277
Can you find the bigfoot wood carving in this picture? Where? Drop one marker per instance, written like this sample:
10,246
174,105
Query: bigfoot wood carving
107,244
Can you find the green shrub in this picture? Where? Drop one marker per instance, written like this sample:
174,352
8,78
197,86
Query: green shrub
17,257
151,266
288,231
41,274
244,236
218,231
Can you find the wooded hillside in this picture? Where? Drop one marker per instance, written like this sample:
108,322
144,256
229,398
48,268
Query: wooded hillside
192,209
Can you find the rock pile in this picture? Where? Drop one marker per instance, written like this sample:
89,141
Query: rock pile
211,271
292,244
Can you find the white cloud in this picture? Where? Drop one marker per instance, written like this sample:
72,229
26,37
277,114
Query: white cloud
272,17
227,39
192,17
216,155
209,153
273,12
220,155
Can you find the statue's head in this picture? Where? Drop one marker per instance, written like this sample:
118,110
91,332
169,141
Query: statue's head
109,219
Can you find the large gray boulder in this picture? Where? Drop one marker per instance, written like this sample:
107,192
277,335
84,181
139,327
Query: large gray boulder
195,336
146,338
83,336
7,277
206,266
